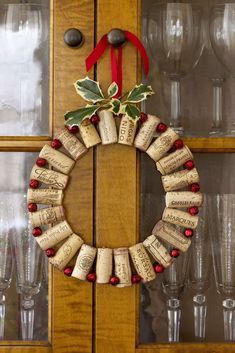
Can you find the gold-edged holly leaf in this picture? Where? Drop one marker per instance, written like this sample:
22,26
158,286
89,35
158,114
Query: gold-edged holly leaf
89,90
74,118
112,90
115,106
139,93
131,111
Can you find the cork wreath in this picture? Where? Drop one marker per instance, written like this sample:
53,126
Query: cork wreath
87,127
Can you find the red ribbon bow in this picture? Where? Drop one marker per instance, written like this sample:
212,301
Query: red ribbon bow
116,62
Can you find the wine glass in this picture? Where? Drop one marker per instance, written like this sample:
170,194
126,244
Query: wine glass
175,40
29,264
5,259
174,279
199,273
222,35
222,224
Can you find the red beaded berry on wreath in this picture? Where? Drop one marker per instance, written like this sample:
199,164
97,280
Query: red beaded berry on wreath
91,277
56,144
50,252
174,253
34,184
68,271
143,117
135,279
188,233
41,162
193,210
32,207
114,280
95,119
178,144
189,165
161,127
37,232
72,129
195,187
158,268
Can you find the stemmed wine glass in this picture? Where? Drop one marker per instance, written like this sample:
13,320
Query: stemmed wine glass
222,35
174,37
173,282
5,259
29,264
199,273
222,223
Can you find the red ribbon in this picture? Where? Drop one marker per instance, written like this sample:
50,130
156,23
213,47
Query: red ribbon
116,61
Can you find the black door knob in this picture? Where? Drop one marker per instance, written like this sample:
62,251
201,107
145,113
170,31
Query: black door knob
73,37
116,37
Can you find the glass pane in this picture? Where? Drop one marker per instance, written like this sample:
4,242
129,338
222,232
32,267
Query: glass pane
23,267
24,68
203,295
192,64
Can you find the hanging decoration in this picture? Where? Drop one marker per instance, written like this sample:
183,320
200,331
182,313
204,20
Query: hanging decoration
86,127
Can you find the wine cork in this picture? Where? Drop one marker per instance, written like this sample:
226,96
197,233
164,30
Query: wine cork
158,251
49,177
84,262
89,134
180,218
171,235
146,132
56,159
104,265
107,127
46,216
71,143
54,235
174,160
66,252
179,180
142,262
183,199
162,144
45,196
122,267
127,131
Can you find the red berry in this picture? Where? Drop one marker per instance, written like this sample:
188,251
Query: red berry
193,210
188,233
91,277
34,184
95,119
161,127
159,268
50,252
114,280
36,231
195,187
174,253
32,207
68,271
56,144
178,144
143,117
72,129
135,279
189,165
41,162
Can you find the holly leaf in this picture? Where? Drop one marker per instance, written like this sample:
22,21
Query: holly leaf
74,118
115,106
89,90
112,90
139,93
131,111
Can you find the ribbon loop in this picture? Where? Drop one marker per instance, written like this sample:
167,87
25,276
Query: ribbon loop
116,62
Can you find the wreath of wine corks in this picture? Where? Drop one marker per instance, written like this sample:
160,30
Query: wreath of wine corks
123,266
